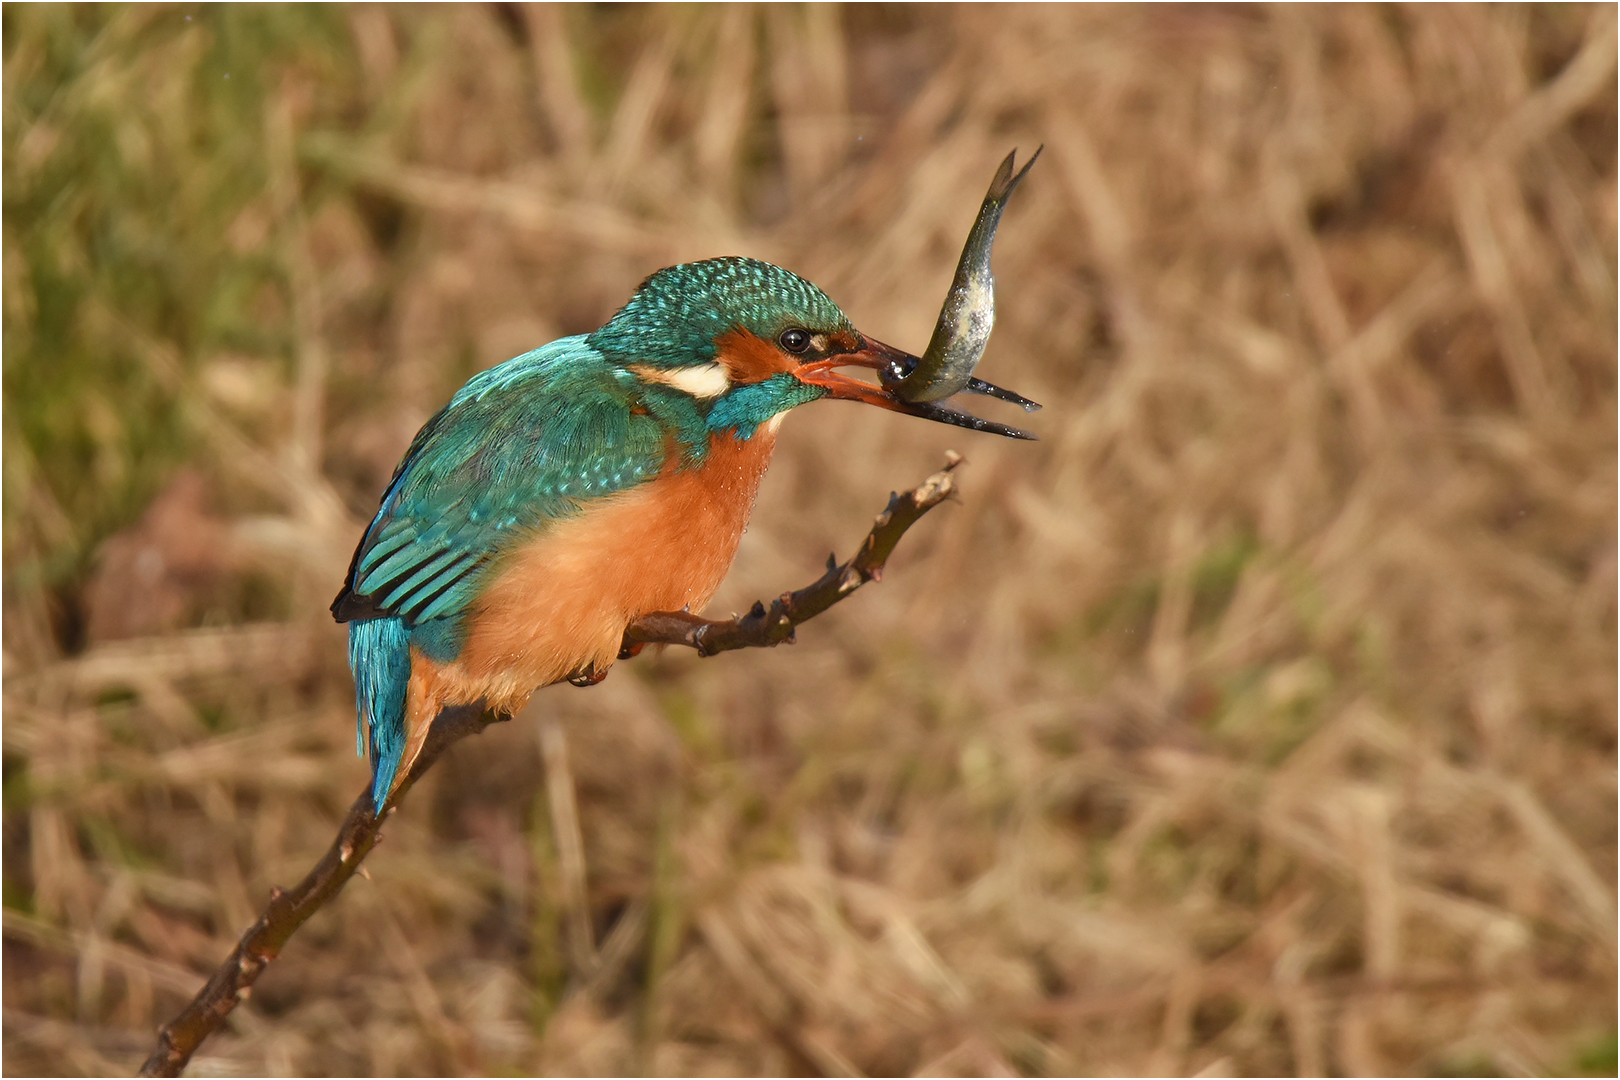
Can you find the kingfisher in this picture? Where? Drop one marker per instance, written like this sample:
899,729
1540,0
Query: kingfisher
563,494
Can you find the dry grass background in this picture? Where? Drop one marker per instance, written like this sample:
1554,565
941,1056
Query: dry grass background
1261,718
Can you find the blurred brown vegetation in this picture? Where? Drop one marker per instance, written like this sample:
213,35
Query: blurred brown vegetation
1260,719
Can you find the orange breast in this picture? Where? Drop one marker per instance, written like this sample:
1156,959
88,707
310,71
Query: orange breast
561,602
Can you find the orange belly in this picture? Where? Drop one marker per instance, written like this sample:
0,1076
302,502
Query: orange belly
560,603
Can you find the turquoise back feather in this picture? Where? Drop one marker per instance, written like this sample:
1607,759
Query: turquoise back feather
521,445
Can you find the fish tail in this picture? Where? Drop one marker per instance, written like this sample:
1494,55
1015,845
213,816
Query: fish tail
380,657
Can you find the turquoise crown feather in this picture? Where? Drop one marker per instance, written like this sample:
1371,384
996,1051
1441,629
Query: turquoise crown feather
678,313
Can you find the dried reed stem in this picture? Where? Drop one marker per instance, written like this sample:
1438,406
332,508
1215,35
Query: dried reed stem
361,830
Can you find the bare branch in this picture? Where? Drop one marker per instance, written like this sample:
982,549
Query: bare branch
289,909
361,830
764,627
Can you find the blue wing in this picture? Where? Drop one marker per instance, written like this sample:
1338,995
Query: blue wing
522,444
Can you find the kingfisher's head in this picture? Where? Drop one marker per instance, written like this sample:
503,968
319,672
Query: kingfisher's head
752,340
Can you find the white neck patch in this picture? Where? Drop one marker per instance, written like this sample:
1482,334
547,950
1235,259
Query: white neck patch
700,380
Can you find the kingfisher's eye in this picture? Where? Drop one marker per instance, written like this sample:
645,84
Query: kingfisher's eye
794,340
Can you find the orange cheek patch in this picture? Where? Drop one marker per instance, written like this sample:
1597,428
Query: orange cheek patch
751,359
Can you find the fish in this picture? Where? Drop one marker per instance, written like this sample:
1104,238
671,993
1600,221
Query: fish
965,319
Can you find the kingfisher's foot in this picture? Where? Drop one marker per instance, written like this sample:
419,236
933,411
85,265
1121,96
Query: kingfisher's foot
589,675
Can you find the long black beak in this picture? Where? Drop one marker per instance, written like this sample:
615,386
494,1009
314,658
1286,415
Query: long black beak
881,357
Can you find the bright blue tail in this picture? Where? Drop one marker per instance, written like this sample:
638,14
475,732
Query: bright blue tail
380,657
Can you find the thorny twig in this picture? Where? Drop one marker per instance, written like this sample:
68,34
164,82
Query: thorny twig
361,830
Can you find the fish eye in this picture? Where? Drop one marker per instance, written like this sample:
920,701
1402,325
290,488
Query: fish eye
794,340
